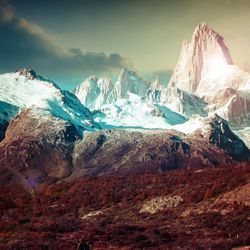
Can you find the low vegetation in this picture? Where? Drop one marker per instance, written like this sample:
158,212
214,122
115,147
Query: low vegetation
111,212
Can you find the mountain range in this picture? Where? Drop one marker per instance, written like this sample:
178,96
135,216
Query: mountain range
204,82
128,163
48,134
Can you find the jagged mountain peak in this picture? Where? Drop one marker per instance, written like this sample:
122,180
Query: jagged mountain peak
204,28
205,37
125,74
94,91
154,91
218,132
127,71
93,78
128,81
207,55
204,31
29,73
156,83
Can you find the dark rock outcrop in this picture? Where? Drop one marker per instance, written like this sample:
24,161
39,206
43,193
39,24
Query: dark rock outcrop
217,132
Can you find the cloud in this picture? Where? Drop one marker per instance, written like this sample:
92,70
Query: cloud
7,12
25,44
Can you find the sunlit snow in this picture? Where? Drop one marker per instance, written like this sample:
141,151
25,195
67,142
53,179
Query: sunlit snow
44,96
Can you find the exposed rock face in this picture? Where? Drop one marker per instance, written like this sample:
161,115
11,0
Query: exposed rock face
178,100
37,148
156,84
42,148
120,151
88,91
204,82
197,58
28,73
232,104
205,69
217,132
154,92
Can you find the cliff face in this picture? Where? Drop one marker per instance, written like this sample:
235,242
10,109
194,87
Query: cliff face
199,57
205,69
94,92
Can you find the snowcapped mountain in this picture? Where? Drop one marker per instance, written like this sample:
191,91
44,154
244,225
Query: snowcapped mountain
205,56
25,89
205,69
205,82
128,81
183,102
179,125
94,92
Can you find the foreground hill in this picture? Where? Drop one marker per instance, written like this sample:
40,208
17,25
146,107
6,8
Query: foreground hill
184,209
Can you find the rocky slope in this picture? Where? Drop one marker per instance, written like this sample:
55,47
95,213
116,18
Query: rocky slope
126,151
122,152
37,148
41,148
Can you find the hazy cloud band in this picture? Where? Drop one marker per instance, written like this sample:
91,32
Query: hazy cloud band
25,44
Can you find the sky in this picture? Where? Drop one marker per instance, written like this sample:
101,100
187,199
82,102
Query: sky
68,41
